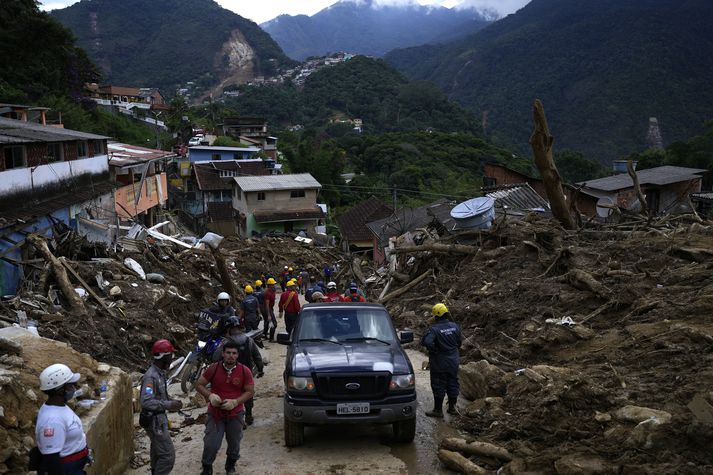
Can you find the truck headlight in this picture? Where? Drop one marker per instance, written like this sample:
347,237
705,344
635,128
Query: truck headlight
296,383
400,382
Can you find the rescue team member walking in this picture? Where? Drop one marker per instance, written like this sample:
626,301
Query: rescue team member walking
290,305
443,341
59,434
154,404
268,310
231,385
250,310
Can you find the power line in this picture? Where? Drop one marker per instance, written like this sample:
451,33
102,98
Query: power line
390,189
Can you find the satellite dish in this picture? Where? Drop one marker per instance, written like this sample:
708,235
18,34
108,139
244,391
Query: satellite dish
605,207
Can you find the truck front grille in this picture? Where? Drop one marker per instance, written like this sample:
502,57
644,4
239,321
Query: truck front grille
343,386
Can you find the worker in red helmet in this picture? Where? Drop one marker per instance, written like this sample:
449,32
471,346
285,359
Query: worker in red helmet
154,405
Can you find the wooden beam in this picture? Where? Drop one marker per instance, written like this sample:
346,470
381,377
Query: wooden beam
87,287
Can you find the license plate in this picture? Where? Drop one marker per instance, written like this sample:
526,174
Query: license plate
353,408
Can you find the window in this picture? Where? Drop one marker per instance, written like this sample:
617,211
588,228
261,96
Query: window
226,173
297,194
237,156
54,152
14,157
261,196
82,149
98,147
215,156
238,194
489,181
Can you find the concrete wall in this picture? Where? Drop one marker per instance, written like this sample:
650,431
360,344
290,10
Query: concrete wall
274,200
18,180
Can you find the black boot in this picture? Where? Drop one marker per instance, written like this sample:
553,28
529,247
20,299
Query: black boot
207,470
452,406
249,418
272,333
437,408
230,466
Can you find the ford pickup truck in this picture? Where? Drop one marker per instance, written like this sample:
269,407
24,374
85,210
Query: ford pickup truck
345,365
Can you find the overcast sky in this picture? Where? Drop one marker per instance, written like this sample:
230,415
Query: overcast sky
263,10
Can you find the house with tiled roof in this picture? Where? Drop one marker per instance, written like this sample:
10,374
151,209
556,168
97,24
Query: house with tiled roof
356,235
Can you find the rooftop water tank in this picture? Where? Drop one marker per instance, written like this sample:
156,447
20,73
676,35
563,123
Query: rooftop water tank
475,213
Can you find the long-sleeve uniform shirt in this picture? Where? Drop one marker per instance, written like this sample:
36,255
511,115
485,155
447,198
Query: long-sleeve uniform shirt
443,340
154,394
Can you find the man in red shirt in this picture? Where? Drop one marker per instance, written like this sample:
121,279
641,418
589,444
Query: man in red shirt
231,386
353,295
332,294
268,310
290,305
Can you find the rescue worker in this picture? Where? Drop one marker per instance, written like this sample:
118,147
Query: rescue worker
231,386
250,310
318,297
248,354
284,278
268,311
60,437
443,341
305,282
220,311
332,294
154,404
348,292
259,293
353,295
290,305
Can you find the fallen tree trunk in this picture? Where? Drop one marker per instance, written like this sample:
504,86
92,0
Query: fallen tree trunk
541,142
457,462
584,281
60,273
476,448
438,248
405,288
637,188
224,274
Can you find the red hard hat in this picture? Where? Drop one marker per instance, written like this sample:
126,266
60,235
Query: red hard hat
161,347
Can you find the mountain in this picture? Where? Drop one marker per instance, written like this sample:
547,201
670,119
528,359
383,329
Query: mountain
163,43
366,27
601,68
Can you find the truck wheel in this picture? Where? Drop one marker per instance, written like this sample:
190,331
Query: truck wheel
405,431
189,377
294,433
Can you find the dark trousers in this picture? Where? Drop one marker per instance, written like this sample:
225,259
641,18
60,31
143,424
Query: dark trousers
290,321
443,383
232,429
268,315
163,453
252,324
71,468
249,406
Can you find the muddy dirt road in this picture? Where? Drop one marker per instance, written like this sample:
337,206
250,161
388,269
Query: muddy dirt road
327,450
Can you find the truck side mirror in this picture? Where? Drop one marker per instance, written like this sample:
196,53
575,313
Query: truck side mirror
283,338
406,336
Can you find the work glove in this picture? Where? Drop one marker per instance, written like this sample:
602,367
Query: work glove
229,404
214,400
260,374
174,405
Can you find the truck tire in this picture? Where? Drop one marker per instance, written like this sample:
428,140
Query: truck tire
405,431
189,376
294,433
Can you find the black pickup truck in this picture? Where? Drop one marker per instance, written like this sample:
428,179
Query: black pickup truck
345,365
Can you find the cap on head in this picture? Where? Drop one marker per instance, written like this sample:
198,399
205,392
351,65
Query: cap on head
317,296
439,310
56,376
248,289
162,348
271,281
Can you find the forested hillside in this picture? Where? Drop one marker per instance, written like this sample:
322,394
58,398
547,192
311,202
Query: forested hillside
364,28
601,68
161,43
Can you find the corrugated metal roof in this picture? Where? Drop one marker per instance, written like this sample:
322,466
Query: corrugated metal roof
224,149
17,131
121,154
653,176
400,222
353,222
297,181
520,197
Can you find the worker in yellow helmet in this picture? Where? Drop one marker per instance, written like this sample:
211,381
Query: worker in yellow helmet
268,310
443,341
250,310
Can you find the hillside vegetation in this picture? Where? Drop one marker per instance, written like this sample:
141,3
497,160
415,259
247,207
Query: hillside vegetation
162,43
601,68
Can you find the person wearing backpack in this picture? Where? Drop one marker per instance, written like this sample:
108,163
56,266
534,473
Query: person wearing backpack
248,354
231,386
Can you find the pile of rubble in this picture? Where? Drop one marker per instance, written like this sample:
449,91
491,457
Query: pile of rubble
585,351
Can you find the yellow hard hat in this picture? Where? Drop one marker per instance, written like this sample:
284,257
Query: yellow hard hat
439,310
290,269
258,283
291,283
271,281
248,289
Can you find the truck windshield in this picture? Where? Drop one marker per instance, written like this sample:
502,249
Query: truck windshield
340,324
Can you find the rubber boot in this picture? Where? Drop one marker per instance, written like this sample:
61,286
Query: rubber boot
207,470
437,408
452,406
249,418
272,333
230,467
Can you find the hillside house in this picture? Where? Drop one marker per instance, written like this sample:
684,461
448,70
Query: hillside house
50,179
140,174
400,222
251,130
356,235
495,174
26,113
144,104
205,153
276,203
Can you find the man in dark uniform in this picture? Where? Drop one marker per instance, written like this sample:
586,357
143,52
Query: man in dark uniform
443,341
154,404
250,310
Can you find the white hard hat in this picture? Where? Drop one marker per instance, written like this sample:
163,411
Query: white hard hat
332,285
57,375
223,296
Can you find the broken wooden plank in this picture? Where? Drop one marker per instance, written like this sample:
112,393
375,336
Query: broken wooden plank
438,248
406,287
87,287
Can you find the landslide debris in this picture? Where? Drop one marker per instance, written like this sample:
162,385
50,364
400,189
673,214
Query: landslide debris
586,351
